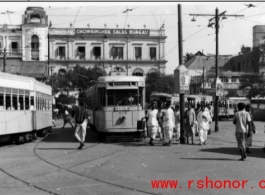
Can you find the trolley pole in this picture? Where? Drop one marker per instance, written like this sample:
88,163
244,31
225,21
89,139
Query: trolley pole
181,95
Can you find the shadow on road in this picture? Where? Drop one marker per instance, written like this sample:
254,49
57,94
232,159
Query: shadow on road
67,135
255,152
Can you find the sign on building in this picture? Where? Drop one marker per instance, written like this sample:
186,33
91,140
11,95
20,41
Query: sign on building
135,32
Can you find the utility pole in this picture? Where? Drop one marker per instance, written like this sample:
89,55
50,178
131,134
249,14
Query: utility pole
4,61
217,17
181,95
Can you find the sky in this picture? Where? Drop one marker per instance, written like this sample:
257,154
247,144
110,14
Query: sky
233,33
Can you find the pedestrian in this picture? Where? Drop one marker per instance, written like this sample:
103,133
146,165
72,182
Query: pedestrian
168,124
81,120
152,123
177,122
251,129
190,120
160,123
241,120
53,120
204,119
67,119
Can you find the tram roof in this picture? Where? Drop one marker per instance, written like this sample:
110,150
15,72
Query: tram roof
121,79
160,94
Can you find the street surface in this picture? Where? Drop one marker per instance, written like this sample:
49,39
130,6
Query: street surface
53,165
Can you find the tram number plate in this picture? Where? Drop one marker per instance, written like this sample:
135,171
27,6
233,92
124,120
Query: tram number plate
124,112
121,108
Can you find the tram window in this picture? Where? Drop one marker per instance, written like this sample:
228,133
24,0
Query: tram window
111,98
21,102
26,102
2,101
102,96
8,101
14,101
32,101
122,97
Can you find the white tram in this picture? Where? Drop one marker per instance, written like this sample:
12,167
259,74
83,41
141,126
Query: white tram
25,108
116,104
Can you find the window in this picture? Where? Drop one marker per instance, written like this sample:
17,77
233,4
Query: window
117,53
81,52
34,43
2,101
14,47
21,102
61,52
97,52
26,102
14,101
152,53
102,96
138,53
122,97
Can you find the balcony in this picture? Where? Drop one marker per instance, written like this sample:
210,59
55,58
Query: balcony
11,52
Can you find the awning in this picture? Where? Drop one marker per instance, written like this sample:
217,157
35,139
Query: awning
34,69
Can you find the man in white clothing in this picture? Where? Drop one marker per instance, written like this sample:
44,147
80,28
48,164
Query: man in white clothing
168,124
204,119
152,123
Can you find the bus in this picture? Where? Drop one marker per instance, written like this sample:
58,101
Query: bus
25,108
116,105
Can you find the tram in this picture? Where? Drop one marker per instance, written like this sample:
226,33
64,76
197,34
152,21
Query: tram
116,104
25,108
163,97
231,104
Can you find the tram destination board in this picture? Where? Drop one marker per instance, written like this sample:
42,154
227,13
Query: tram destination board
184,89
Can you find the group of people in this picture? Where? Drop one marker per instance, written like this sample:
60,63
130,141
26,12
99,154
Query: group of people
164,122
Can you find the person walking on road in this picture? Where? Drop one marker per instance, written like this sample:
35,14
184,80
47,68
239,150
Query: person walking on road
251,130
81,120
67,119
190,120
241,120
168,124
152,123
204,119
177,122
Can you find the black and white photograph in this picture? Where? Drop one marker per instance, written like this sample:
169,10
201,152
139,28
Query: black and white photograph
132,97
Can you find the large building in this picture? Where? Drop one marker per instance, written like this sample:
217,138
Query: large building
36,49
24,48
135,51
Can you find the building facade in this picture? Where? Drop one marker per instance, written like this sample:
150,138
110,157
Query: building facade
134,51
36,49
24,48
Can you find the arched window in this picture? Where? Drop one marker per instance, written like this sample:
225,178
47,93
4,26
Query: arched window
35,47
138,72
62,72
152,71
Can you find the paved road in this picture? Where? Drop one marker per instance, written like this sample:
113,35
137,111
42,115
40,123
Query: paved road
53,165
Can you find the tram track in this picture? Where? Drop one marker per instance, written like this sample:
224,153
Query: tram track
124,187
92,178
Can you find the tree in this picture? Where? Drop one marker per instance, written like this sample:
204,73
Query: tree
157,83
253,85
187,57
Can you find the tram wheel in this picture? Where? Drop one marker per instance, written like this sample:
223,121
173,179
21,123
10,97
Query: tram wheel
20,139
27,138
34,135
101,137
49,130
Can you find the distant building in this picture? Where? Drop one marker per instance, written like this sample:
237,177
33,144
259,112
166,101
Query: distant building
231,68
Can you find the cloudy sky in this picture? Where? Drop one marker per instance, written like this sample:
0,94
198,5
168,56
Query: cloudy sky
234,31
